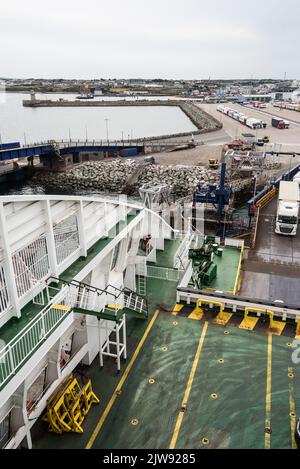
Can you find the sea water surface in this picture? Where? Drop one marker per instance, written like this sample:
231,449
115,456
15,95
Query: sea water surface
28,125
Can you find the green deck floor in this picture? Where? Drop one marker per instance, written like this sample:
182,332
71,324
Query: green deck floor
227,270
165,258
14,326
235,420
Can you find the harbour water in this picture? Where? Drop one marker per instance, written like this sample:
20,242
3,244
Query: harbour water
28,125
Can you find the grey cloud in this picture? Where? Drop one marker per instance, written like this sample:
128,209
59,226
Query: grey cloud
179,39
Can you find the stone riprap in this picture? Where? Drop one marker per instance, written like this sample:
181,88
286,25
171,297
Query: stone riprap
113,177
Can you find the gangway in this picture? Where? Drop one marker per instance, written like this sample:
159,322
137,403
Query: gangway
84,298
109,306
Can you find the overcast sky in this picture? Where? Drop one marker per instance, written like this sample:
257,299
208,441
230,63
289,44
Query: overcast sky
191,39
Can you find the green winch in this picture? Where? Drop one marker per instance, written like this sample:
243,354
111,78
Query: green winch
204,269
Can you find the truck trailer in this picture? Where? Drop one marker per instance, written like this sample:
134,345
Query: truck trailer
253,123
287,208
280,123
297,179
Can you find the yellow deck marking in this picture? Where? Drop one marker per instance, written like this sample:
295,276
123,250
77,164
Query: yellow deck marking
249,323
268,393
114,307
196,314
121,382
292,412
61,307
278,327
188,388
223,319
237,279
177,308
297,336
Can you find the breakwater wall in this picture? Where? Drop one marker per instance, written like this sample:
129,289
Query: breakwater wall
97,103
114,176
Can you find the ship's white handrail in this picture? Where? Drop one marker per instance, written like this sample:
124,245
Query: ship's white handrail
16,352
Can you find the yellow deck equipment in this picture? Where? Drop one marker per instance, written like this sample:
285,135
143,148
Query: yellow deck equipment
69,405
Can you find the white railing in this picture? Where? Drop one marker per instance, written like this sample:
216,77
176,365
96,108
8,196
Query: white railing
164,273
66,238
30,264
237,243
4,295
66,246
4,431
134,302
16,352
181,256
85,298
140,141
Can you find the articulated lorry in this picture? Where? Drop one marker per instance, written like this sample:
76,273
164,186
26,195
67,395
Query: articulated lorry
280,123
287,208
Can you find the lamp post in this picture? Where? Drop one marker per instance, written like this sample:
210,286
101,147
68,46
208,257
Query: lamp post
106,121
293,156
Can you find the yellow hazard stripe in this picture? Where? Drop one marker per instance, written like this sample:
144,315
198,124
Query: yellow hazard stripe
61,307
268,394
121,382
177,308
188,388
292,412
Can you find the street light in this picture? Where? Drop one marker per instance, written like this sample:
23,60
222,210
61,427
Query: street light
254,183
293,156
106,121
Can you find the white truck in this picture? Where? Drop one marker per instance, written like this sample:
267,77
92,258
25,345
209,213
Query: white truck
297,179
253,123
287,208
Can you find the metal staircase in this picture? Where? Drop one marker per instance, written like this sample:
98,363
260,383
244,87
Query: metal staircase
110,303
109,306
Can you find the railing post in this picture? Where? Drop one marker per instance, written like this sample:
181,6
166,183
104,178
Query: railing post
9,268
51,240
81,232
11,359
44,326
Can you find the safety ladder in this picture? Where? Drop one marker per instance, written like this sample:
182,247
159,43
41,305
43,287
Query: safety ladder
141,285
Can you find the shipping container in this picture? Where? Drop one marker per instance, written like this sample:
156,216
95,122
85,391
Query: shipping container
278,123
126,152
